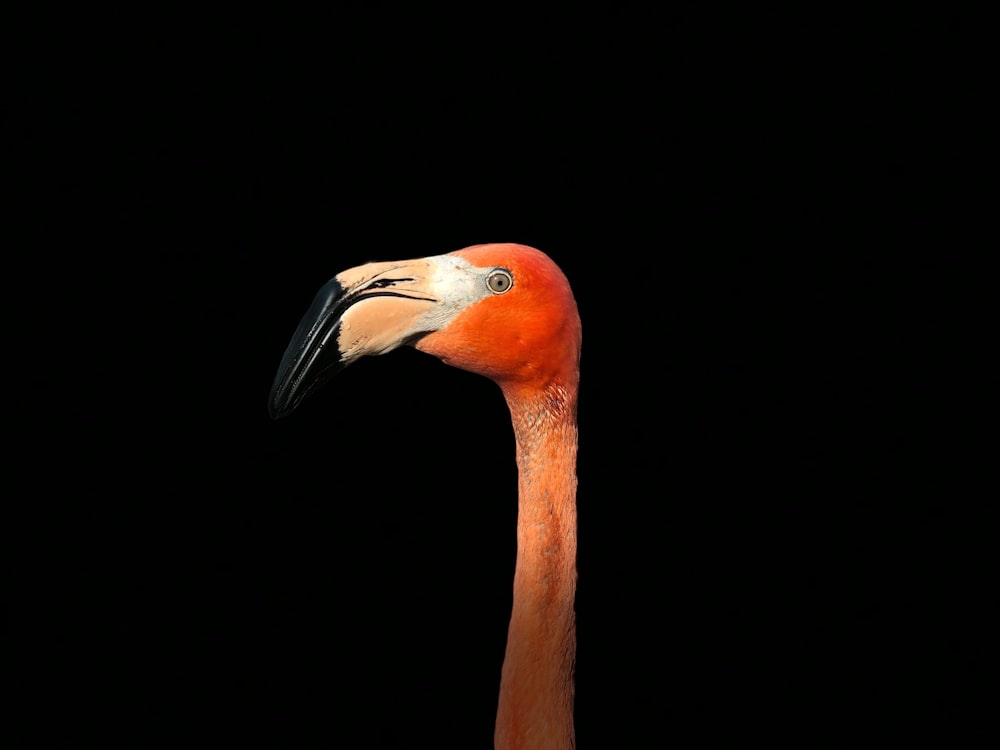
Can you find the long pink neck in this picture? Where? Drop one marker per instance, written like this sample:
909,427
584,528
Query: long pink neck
536,687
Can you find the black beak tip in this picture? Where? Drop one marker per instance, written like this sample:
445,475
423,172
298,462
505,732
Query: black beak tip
312,356
285,398
276,409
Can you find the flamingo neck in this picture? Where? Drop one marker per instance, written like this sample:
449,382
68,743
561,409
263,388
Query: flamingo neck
536,687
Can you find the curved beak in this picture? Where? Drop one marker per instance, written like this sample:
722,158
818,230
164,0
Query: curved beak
371,309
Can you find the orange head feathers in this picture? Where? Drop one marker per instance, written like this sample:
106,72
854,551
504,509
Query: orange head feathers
526,333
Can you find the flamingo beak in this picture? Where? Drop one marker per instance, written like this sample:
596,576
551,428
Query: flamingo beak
368,310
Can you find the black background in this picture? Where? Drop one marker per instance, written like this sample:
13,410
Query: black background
767,548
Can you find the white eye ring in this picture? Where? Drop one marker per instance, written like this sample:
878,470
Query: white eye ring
499,281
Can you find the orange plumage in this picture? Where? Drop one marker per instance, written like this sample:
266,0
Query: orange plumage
504,311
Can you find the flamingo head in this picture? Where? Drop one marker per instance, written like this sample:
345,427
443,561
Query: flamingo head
504,311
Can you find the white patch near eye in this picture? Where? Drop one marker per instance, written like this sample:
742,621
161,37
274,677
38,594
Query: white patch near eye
456,284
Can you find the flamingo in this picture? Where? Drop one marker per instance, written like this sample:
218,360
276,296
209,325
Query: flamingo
507,312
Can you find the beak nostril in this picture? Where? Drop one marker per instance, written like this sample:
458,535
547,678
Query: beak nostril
382,283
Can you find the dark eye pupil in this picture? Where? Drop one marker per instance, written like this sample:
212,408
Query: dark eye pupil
499,282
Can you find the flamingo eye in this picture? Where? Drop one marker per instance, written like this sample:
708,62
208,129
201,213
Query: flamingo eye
499,281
